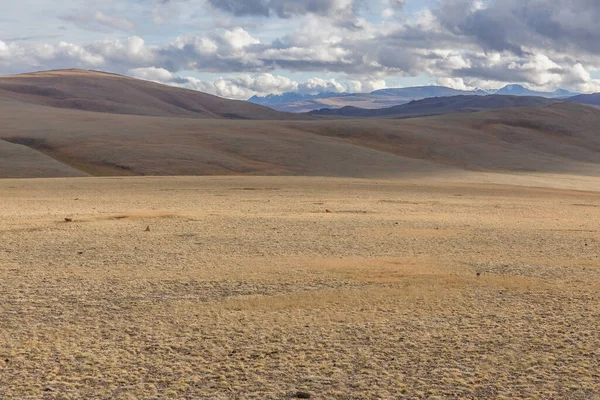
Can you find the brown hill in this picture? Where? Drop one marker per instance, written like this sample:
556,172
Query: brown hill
110,93
110,144
591,99
557,138
23,162
358,100
439,106
50,141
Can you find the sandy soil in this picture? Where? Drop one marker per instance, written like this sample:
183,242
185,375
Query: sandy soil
248,288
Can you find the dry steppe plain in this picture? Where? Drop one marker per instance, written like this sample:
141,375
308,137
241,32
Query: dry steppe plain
248,288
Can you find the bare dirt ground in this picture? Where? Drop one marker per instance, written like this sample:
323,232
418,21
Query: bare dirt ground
248,288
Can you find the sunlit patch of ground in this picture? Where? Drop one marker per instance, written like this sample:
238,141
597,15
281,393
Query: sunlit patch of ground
243,293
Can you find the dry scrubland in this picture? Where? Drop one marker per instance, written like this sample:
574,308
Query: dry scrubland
80,123
257,288
246,288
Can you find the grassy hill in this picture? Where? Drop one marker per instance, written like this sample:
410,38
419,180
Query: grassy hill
439,106
116,94
152,136
591,99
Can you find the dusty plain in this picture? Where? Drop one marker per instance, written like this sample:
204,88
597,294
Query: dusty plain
257,288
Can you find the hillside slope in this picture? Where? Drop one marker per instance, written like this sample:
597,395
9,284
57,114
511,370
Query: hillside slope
559,139
104,144
109,93
383,98
591,99
18,161
439,106
45,140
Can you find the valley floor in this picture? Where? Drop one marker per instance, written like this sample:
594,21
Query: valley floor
257,288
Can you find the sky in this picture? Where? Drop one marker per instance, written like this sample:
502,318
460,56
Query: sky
240,48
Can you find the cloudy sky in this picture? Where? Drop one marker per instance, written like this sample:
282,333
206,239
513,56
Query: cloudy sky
238,48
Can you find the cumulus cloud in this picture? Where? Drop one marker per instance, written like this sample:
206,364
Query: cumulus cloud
154,74
244,86
318,85
285,8
460,43
99,21
164,11
519,26
241,86
367,85
16,58
391,8
118,23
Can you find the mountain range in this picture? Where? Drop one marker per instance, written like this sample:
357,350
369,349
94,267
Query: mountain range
82,123
440,106
385,98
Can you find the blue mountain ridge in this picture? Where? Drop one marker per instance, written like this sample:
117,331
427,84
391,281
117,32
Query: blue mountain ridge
416,93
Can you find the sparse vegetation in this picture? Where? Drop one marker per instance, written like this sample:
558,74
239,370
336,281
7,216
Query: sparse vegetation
124,127
259,294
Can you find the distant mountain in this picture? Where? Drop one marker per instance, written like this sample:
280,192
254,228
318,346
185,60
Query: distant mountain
289,97
357,100
439,106
563,94
591,99
299,103
77,123
520,90
385,98
423,92
515,90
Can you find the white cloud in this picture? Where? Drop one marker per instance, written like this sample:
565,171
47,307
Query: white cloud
365,86
318,85
119,23
238,39
164,11
286,8
243,86
153,74
99,21
391,8
454,83
461,43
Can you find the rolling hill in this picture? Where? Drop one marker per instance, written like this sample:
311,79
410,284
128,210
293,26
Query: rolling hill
386,98
520,90
293,102
41,135
367,101
18,161
110,93
439,106
591,99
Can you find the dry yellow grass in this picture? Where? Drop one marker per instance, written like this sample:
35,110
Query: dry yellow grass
246,288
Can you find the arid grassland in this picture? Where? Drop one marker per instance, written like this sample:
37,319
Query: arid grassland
257,288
